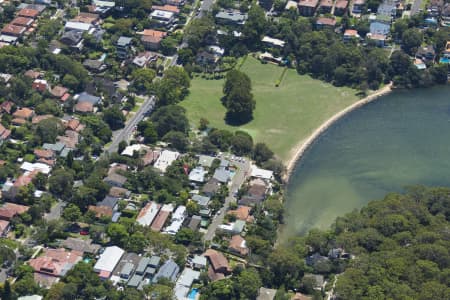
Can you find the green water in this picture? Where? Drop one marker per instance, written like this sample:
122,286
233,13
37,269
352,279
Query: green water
402,139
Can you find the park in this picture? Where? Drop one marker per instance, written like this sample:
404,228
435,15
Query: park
289,106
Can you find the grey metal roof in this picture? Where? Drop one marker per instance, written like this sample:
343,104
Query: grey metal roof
135,280
142,265
108,201
127,269
154,261
86,97
221,175
124,41
168,270
201,200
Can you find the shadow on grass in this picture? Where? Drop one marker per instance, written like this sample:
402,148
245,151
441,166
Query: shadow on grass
237,119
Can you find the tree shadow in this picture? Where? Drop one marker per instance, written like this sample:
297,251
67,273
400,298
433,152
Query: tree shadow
237,119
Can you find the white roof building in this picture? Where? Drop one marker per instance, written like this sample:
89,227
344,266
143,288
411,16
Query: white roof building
166,158
273,41
39,167
261,173
79,26
129,150
162,15
168,207
109,259
184,283
32,297
177,220
148,214
197,174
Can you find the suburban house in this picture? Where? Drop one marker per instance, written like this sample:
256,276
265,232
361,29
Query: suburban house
4,228
22,21
115,179
87,18
148,213
73,39
161,218
144,58
53,263
272,42
28,13
178,218
325,6
211,187
307,8
197,175
219,266
322,23
350,34
202,201
77,26
80,245
4,134
358,6
426,53
163,17
108,261
22,115
151,39
267,294
340,7
238,245
9,210
168,270
40,85
14,30
184,283
166,158
123,47
231,17
199,262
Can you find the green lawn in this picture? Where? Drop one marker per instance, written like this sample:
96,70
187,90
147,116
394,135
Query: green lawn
284,115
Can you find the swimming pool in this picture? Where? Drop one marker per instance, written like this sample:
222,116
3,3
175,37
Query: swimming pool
193,294
445,60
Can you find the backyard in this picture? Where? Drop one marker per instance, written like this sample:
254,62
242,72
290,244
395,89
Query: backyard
284,115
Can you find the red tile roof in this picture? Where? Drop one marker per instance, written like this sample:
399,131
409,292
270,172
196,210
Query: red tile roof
326,21
13,30
84,107
10,210
101,211
171,8
58,91
23,113
6,106
218,261
28,12
160,220
237,244
3,226
42,153
22,21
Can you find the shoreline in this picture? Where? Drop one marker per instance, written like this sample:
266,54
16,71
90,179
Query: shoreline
300,149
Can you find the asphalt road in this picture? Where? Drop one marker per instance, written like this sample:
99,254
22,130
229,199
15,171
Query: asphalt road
55,211
125,133
416,7
238,179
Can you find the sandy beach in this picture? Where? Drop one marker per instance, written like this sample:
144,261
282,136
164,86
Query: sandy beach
298,151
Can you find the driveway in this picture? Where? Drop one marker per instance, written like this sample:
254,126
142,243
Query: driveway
238,179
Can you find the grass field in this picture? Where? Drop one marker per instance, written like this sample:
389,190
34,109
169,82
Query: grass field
284,115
